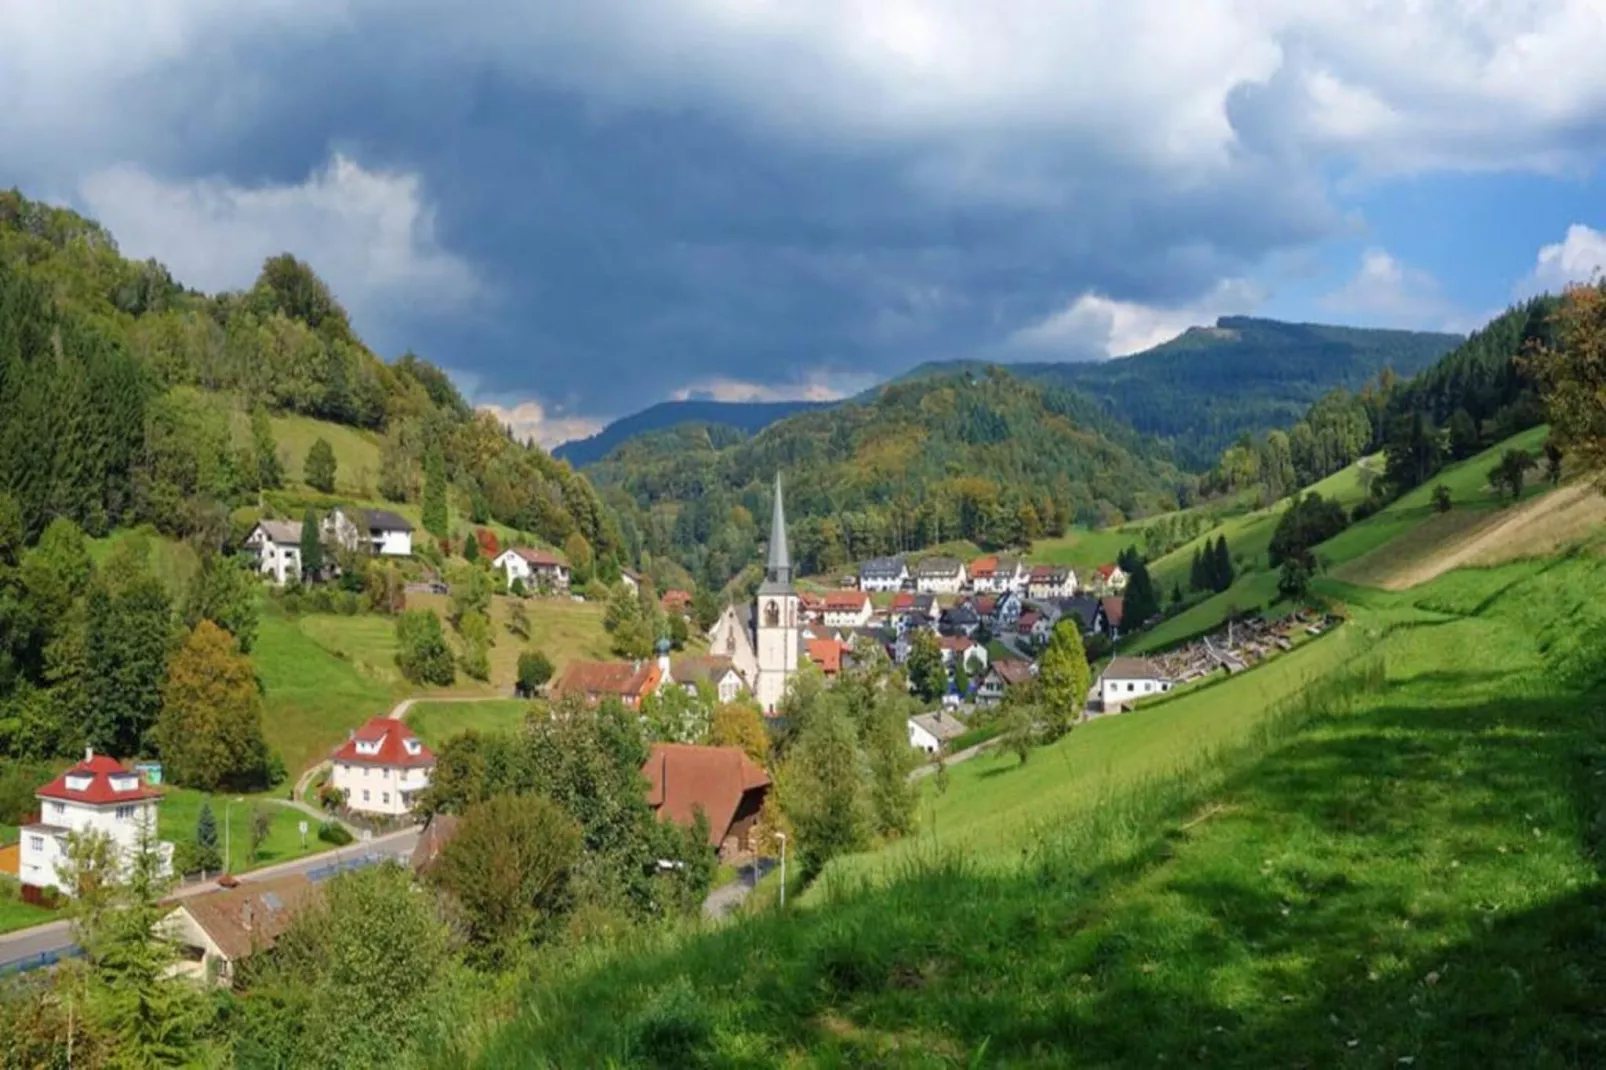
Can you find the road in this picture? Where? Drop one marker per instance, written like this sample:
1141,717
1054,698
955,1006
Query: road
56,936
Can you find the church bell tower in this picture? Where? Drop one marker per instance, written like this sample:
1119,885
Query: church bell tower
776,616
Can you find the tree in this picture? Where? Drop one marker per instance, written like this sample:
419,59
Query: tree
578,551
128,630
436,520
925,667
422,653
508,866
311,547
261,829
825,791
471,548
1572,375
1554,454
475,628
265,452
1142,602
535,669
1464,437
1199,572
207,856
1019,731
210,729
1442,502
961,676
518,620
679,634
1221,570
1310,521
1512,471
1293,579
1063,677
739,724
319,470
224,593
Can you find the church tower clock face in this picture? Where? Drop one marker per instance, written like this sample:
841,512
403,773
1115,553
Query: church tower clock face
772,614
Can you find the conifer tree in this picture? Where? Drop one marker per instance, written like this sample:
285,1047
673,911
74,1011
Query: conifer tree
471,547
207,855
270,473
311,548
319,470
436,520
1222,570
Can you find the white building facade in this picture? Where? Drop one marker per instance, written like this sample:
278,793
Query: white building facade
98,795
776,610
1126,680
535,568
277,545
381,533
940,576
382,768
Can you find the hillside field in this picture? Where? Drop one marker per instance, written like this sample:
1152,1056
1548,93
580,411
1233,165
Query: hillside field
1401,869
436,722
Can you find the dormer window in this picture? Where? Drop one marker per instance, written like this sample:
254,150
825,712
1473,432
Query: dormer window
366,746
413,746
78,782
121,784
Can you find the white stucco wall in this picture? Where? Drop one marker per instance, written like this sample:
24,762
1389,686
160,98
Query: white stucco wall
379,789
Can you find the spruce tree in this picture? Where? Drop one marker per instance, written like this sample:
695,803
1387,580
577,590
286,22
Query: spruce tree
207,855
1198,572
471,547
270,473
319,470
436,520
1222,572
311,547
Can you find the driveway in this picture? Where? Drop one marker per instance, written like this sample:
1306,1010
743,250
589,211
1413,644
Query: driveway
726,898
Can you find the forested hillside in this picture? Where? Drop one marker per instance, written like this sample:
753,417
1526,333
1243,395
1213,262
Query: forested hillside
748,417
127,398
985,457
1209,385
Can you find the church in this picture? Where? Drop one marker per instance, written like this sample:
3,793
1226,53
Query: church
765,642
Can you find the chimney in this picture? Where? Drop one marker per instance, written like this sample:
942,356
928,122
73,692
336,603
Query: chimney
89,754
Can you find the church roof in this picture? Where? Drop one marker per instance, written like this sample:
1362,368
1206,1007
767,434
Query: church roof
778,574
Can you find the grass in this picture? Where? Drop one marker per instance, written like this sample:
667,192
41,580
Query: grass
174,562
15,914
563,629
356,451
436,722
181,808
1408,875
9,834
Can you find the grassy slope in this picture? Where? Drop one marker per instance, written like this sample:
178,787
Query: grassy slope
436,722
356,451
181,808
1412,879
15,915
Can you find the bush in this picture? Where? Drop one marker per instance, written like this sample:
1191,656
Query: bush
347,604
423,657
535,669
331,798
332,832
321,600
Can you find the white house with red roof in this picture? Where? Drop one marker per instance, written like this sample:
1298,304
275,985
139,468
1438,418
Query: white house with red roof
536,568
1109,579
847,609
101,795
382,768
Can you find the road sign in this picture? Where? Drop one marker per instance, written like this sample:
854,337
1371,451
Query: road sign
303,827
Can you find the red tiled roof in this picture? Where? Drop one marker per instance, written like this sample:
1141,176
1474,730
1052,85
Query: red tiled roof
1027,619
682,778
392,736
957,643
1013,670
827,654
1113,605
241,920
1108,570
98,792
902,603
1044,572
590,679
675,599
984,566
811,602
846,601
986,605
541,558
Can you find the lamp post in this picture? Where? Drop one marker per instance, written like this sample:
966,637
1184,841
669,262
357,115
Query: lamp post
782,837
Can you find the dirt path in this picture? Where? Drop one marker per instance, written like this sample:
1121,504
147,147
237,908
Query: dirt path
1512,535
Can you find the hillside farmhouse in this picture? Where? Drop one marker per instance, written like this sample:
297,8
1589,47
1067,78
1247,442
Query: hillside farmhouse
883,574
378,531
940,575
536,569
1051,581
593,681
1126,680
277,546
722,783
930,732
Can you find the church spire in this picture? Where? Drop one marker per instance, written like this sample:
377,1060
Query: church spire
780,564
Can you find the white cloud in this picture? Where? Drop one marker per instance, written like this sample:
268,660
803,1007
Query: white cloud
530,420
822,387
1384,292
369,234
1578,257
1094,326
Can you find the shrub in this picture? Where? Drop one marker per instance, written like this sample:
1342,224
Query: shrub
347,604
321,600
332,832
535,669
423,657
331,798
517,588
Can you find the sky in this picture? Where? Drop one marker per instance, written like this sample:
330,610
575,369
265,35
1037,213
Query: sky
583,207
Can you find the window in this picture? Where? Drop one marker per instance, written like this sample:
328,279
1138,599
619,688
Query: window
59,809
1131,687
125,813
364,794
36,843
385,798
385,773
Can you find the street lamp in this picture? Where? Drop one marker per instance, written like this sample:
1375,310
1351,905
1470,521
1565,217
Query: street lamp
782,837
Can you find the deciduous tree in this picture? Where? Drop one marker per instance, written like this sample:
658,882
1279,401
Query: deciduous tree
1063,676
739,724
422,653
210,729
319,470
924,665
311,548
435,516
508,866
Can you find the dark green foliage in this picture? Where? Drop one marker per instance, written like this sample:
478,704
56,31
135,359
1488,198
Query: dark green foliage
130,630
1554,454
535,669
1442,502
1142,601
1510,474
1464,437
924,666
311,548
335,833
825,795
269,470
422,654
471,548
207,856
1293,579
224,592
319,470
1221,570
1310,521
436,521
729,417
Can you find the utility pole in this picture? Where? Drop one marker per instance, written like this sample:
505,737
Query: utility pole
782,837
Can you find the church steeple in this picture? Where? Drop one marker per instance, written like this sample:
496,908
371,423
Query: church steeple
779,572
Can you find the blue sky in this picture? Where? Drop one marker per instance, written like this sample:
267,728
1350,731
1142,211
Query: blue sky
581,208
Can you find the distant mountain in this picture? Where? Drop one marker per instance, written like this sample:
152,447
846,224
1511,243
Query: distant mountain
1209,385
749,417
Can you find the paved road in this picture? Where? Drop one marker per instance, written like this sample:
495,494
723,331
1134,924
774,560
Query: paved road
955,758
57,935
726,898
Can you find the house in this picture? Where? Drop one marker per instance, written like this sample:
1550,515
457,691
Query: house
811,607
929,732
277,546
940,575
676,601
960,620
715,671
912,610
631,580
100,795
593,681
828,654
381,768
1125,680
1034,624
982,570
1109,579
883,574
1000,611
538,570
1002,675
732,636
217,930
1051,581
722,783
846,609
1111,612
959,646
376,531
1082,610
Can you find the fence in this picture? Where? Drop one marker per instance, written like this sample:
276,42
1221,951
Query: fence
40,961
346,865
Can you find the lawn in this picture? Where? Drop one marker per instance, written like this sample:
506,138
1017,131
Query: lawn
1085,549
563,629
356,451
181,809
9,835
174,562
436,722
15,914
1410,878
